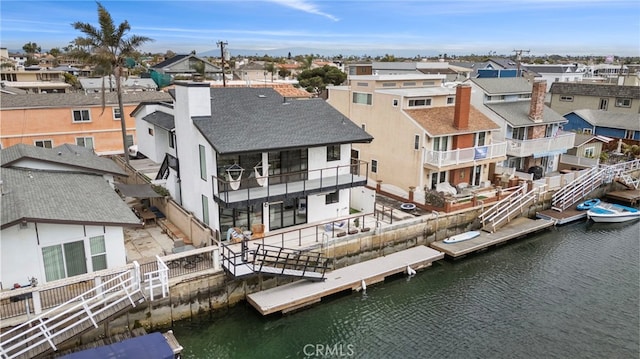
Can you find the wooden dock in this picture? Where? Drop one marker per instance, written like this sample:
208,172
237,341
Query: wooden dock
566,216
629,196
303,293
518,227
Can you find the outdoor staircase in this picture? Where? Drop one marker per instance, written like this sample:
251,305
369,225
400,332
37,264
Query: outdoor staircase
577,189
49,330
273,260
509,208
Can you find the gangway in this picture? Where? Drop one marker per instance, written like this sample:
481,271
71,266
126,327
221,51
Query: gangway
509,207
273,260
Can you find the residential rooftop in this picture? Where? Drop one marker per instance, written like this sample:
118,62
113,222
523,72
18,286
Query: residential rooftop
594,89
516,113
56,100
627,121
438,121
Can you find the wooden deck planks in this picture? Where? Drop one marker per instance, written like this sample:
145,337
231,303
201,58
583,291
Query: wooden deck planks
303,293
516,228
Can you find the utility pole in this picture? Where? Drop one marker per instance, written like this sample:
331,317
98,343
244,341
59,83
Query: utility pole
221,44
519,57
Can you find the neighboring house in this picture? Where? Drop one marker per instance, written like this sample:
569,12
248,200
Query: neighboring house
604,123
585,152
41,81
452,72
425,133
567,97
49,120
531,129
249,156
359,69
557,73
185,67
60,217
129,84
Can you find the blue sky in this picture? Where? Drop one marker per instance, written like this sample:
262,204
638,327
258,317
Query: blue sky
586,27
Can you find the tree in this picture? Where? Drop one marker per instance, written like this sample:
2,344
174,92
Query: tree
55,52
271,68
316,80
307,62
110,46
31,48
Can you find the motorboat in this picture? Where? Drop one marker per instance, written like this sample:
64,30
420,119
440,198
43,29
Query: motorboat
612,213
588,204
462,237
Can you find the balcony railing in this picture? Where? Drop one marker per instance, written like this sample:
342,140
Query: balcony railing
276,187
541,147
464,155
579,161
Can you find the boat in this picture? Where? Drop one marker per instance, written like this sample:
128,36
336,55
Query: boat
612,213
588,204
462,237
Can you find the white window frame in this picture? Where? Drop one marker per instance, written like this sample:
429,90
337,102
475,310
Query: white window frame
416,142
417,102
587,131
98,254
623,102
362,98
395,102
82,119
35,143
116,116
203,162
451,100
628,134
566,98
589,152
84,139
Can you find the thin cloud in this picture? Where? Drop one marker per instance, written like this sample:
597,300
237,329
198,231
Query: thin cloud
305,6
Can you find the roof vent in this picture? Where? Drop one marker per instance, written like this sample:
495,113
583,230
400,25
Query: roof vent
262,96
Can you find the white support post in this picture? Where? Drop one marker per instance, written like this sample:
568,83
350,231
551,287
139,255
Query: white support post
215,256
37,302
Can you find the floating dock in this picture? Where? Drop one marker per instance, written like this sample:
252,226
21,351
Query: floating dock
566,216
518,227
303,293
629,196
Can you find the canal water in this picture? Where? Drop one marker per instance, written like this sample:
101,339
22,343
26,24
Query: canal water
570,292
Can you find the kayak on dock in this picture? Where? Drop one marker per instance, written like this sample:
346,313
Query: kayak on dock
462,237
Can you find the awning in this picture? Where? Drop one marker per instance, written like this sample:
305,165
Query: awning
137,190
150,346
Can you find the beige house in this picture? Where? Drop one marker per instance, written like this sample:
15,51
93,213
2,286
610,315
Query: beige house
38,81
585,152
567,97
425,133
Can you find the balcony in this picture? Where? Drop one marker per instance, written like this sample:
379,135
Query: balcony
582,162
277,187
464,156
541,147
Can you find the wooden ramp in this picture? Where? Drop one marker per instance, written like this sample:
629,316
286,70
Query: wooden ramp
516,228
302,293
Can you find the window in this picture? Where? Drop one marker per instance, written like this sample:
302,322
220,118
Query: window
480,139
623,102
64,260
364,127
603,104
81,116
428,83
363,84
566,98
438,177
8,77
420,102
150,130
116,114
519,133
203,163
451,100
409,84
586,131
440,143
589,151
43,143
205,210
362,98
333,197
333,153
628,134
172,139
374,166
395,102
85,142
388,84
98,253
416,142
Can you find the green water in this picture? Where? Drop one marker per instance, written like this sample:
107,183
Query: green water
570,292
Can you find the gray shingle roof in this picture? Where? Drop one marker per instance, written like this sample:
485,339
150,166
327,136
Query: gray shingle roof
61,197
589,89
259,120
67,100
75,157
516,113
626,121
161,119
501,86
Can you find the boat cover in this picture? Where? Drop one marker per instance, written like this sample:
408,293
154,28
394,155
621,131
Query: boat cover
150,346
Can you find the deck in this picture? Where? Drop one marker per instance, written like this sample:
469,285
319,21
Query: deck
516,228
566,216
631,197
303,293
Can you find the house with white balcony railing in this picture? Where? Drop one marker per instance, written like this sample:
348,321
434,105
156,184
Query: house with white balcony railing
531,131
250,159
426,132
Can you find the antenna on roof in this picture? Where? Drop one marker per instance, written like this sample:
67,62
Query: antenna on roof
519,57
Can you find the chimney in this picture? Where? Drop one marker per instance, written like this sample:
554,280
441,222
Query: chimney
537,100
463,103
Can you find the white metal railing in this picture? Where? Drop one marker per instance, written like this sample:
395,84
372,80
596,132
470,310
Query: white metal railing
524,148
509,207
577,189
158,279
60,321
579,161
464,155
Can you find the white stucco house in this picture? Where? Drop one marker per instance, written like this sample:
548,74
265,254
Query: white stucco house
60,214
249,156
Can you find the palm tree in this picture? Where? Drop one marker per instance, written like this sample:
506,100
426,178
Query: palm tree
109,47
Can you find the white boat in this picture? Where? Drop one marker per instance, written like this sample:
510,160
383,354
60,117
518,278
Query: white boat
462,237
612,213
